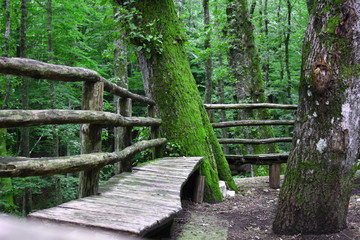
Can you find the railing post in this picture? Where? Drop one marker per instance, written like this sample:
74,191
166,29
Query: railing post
126,111
274,176
154,133
90,136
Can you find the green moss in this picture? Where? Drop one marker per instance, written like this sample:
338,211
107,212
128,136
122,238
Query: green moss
180,106
332,24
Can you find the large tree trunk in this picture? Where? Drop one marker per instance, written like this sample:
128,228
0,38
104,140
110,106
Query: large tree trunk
318,183
245,65
166,72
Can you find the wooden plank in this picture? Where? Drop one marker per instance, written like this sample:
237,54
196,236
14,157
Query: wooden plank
131,203
251,106
254,141
135,203
261,159
126,211
252,123
90,219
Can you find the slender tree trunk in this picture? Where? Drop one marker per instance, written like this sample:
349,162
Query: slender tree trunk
287,57
55,134
121,75
222,114
166,71
207,46
6,183
7,52
318,183
25,142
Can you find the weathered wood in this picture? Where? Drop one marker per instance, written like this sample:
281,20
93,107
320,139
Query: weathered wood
261,159
126,111
199,189
90,137
252,123
17,118
20,229
274,176
131,205
123,92
251,106
154,132
253,141
36,69
23,167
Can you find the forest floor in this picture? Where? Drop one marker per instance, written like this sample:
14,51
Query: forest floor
249,215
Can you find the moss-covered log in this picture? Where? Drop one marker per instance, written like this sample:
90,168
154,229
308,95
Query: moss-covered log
24,167
17,118
169,81
315,195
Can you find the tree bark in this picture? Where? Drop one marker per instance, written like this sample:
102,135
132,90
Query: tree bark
245,65
315,195
25,132
167,72
287,54
121,76
7,51
207,48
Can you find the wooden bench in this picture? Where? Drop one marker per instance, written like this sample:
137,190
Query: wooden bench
134,203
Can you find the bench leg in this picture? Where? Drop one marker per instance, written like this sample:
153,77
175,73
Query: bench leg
199,189
274,176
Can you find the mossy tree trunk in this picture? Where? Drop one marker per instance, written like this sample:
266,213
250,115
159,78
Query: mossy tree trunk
246,69
166,74
318,183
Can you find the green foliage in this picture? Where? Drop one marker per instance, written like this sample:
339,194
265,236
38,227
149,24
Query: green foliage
173,149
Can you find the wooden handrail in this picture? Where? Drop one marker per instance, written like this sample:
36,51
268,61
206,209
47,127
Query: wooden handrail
254,141
251,106
24,167
41,70
252,123
21,118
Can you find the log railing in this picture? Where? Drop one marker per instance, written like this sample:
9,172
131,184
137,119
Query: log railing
273,160
92,119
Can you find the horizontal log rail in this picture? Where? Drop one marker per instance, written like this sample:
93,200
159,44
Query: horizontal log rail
40,70
254,141
261,159
24,167
21,118
252,123
251,106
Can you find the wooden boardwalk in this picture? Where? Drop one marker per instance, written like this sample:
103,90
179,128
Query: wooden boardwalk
133,203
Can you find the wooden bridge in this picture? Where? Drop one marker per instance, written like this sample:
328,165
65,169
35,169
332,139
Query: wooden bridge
134,203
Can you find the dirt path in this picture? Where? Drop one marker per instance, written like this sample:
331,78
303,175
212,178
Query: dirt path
249,215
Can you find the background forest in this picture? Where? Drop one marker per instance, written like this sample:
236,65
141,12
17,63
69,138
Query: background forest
89,34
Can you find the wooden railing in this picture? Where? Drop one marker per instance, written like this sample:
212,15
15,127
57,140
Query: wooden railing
92,118
273,159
